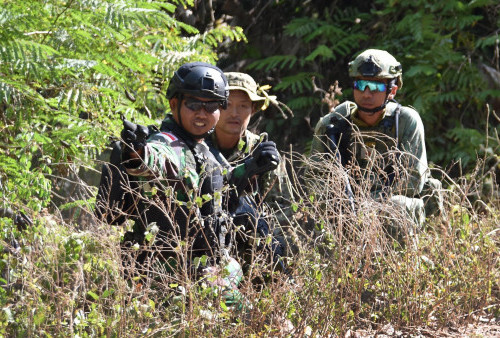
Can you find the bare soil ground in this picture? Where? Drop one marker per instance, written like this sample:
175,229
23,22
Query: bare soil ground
481,328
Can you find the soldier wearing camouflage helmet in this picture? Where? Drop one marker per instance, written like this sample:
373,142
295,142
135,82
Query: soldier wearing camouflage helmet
376,133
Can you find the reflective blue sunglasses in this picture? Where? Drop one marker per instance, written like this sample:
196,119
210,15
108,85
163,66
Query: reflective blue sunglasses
374,86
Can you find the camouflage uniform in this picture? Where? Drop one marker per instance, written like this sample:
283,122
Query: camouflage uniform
375,150
170,177
174,176
390,152
274,185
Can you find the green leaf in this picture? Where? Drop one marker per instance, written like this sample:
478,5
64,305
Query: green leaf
108,293
93,295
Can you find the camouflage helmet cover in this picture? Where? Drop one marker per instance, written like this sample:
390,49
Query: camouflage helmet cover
199,79
376,63
246,83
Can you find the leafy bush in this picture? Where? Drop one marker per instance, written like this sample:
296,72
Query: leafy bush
447,49
70,69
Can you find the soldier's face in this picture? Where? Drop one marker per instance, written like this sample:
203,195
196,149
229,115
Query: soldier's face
197,114
234,120
370,99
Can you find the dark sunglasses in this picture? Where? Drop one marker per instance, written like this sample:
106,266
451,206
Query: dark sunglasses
195,105
374,86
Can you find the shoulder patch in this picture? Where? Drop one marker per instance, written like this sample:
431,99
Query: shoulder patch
168,136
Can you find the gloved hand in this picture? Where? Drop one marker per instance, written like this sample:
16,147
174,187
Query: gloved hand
133,136
264,158
339,139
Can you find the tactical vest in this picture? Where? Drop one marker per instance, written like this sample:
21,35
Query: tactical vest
210,185
119,197
341,141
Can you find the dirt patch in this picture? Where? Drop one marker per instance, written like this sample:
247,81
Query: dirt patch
482,328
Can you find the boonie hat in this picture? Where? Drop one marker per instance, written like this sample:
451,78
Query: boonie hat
256,93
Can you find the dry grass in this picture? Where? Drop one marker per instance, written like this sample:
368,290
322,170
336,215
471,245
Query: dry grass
351,270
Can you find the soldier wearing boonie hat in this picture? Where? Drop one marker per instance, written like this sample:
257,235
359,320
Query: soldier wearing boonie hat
236,142
256,93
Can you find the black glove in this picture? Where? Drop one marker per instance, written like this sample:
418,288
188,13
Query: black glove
134,136
263,159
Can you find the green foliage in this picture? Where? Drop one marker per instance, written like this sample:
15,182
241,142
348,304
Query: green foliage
444,47
318,40
328,38
71,68
468,142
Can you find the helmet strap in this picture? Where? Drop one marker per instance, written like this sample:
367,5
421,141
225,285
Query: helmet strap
180,97
372,111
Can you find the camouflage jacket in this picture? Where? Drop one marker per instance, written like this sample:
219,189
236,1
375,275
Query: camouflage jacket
182,181
377,149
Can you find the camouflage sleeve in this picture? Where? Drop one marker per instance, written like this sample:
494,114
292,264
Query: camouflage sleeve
412,143
280,195
276,184
164,158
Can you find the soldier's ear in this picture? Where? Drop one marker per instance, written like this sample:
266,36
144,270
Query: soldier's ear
392,93
173,104
256,107
174,108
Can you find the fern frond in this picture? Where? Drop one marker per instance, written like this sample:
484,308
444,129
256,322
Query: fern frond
449,96
25,51
276,61
347,44
421,26
427,70
298,83
217,35
10,94
303,102
326,30
453,24
488,41
320,51
301,27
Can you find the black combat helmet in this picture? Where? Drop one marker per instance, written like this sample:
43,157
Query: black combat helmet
199,79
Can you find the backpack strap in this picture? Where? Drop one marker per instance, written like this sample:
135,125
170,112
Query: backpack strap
394,122
397,113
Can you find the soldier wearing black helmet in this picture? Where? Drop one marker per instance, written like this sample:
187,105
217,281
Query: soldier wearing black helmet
377,134
180,182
